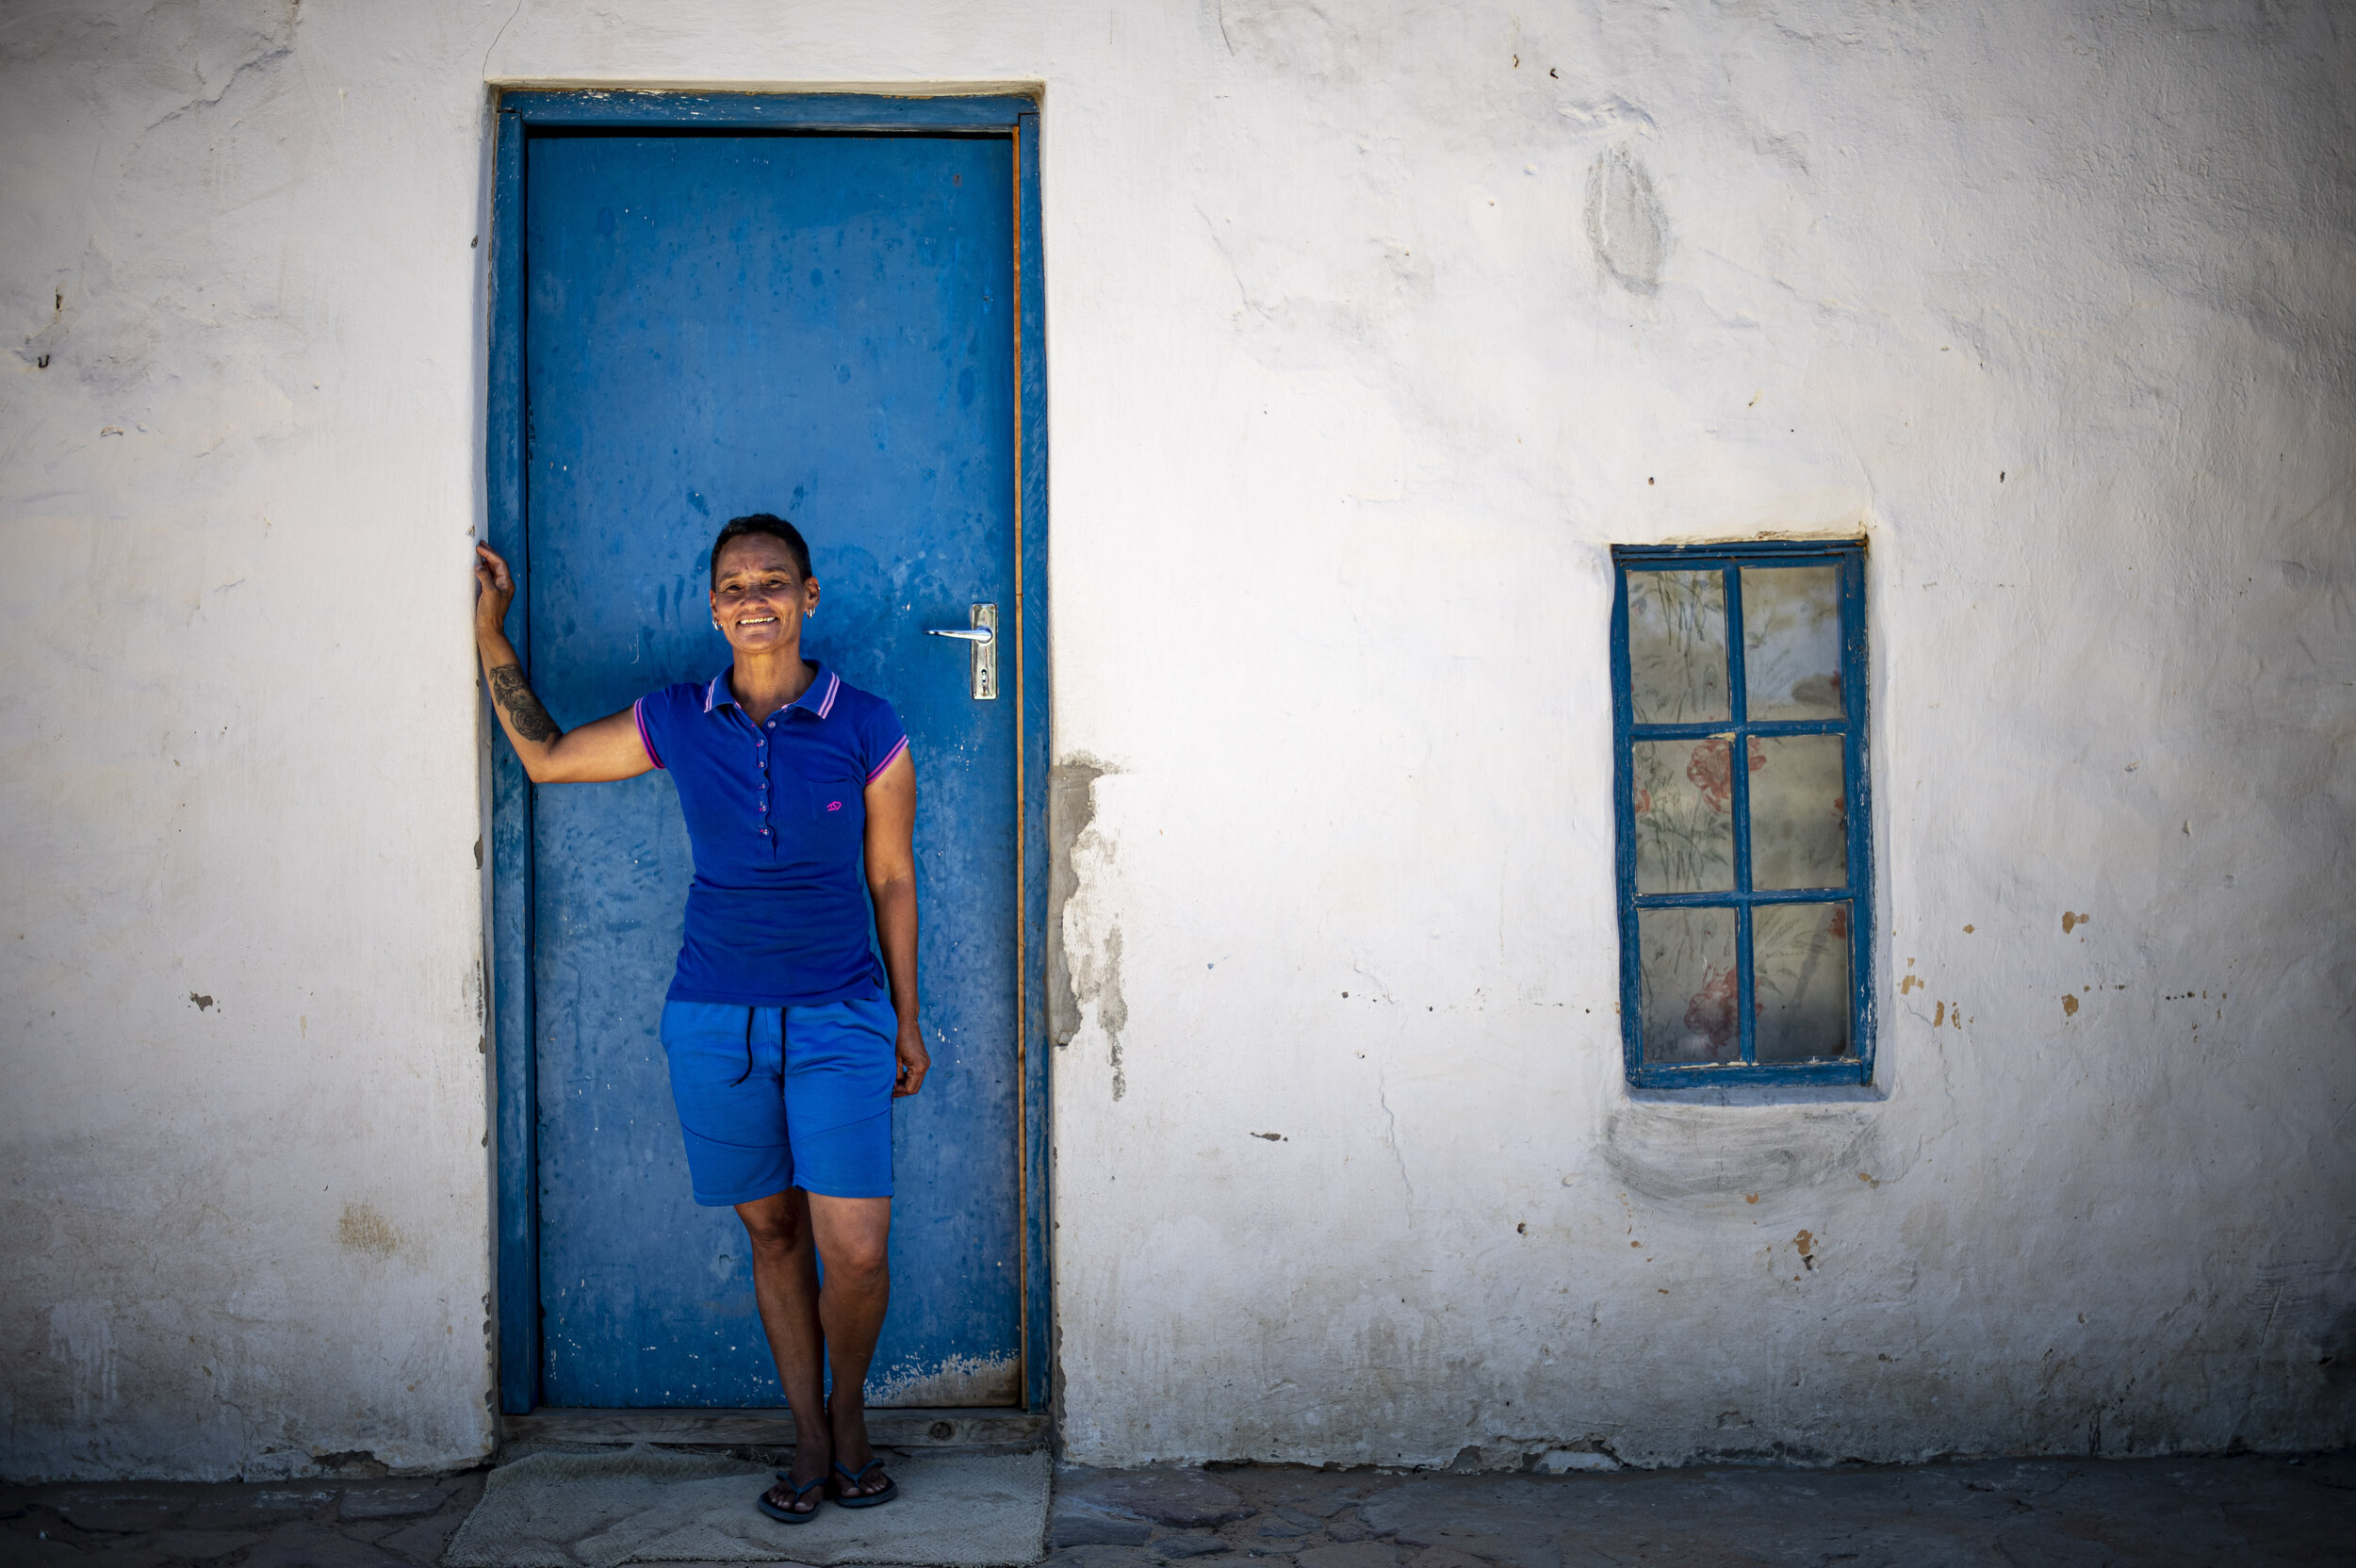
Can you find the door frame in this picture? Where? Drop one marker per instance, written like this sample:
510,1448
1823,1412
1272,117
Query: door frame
509,938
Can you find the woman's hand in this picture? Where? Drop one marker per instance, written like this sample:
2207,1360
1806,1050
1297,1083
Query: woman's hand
613,747
915,1061
497,591
890,857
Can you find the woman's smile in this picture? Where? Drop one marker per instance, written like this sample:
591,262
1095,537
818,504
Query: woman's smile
760,590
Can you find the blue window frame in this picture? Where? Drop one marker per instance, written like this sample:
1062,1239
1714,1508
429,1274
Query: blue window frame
1745,890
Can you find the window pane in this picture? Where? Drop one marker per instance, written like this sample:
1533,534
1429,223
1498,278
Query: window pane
1676,647
1792,642
1684,830
1799,813
1800,980
1685,961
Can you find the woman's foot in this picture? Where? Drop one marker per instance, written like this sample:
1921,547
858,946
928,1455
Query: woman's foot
857,1470
866,1487
796,1496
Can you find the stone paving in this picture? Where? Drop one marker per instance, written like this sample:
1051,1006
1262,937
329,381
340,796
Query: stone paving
378,1523
2002,1513
2005,1514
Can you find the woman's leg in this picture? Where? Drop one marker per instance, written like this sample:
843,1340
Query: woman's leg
854,1236
839,1071
785,1285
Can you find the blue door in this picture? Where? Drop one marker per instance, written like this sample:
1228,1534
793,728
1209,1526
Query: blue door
821,326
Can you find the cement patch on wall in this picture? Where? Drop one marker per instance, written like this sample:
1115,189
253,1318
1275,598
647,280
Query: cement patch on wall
1667,1152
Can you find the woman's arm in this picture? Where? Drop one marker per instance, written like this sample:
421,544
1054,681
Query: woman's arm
610,748
891,882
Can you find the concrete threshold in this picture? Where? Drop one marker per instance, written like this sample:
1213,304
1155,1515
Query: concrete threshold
970,1429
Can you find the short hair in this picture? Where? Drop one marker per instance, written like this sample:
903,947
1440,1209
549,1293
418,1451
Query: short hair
761,523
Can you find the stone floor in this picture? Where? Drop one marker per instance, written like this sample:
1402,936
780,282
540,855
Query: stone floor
386,1524
2005,1514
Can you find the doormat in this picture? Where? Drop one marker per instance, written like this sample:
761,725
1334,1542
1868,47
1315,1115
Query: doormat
644,1504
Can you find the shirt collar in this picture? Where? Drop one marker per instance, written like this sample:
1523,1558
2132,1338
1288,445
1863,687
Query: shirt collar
818,701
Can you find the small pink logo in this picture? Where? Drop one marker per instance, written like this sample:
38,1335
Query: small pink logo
834,805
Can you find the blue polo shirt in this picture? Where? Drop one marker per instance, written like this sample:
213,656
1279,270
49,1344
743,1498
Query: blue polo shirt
778,916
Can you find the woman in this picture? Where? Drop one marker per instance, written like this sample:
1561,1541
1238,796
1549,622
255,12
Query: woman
785,1053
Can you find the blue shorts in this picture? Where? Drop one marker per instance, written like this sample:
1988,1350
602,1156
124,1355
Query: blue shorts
774,1098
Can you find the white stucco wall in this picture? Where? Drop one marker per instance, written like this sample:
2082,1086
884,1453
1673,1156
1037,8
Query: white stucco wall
1371,329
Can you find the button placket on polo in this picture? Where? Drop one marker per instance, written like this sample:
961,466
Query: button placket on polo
760,785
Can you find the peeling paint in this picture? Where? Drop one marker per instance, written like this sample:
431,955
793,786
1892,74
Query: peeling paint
1099,981
961,1383
1084,940
1071,811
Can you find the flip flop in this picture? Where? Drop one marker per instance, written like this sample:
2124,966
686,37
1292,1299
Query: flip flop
872,1499
792,1516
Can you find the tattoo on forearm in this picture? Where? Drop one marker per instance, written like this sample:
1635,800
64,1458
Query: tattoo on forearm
523,709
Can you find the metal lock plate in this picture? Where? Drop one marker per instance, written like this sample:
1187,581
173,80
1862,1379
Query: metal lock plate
981,640
984,654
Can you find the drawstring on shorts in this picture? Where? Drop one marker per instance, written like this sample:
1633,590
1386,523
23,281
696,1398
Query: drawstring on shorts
748,1044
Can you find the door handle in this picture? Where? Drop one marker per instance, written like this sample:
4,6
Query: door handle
981,640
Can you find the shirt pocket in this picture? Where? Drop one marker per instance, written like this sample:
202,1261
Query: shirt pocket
838,814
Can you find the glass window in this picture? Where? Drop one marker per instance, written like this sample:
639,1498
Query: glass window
1744,870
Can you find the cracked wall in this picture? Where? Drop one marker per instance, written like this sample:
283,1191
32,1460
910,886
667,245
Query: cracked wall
1441,305
1372,328
242,1164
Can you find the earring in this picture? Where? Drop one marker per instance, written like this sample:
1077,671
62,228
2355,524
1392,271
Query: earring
715,623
